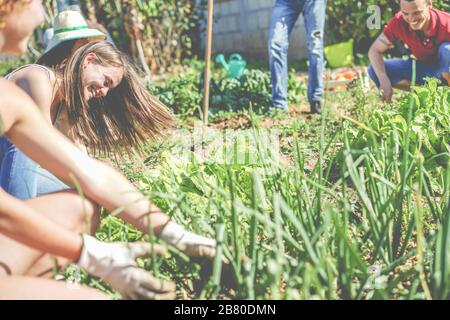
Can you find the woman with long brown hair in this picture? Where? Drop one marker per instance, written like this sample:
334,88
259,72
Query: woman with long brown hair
89,91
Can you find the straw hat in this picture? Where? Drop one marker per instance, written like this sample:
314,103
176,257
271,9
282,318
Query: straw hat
70,25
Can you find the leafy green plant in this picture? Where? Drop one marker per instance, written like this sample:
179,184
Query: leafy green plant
167,30
429,124
373,227
251,91
182,94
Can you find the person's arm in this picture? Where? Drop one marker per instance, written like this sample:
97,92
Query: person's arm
17,219
26,128
99,181
376,52
82,147
113,262
95,177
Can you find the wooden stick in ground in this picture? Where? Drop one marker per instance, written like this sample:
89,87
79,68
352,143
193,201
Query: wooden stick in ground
208,60
141,56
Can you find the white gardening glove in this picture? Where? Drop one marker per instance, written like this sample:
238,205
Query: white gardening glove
187,242
115,263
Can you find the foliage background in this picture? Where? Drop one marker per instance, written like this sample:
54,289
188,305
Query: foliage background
168,30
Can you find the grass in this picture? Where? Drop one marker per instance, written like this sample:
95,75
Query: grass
348,209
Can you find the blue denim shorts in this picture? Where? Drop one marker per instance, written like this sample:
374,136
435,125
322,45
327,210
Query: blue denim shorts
23,178
398,69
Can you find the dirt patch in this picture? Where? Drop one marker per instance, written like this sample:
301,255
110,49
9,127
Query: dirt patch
239,121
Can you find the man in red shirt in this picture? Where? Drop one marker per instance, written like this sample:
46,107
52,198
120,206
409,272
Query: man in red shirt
426,32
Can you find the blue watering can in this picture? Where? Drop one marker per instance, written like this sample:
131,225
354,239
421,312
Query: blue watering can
235,66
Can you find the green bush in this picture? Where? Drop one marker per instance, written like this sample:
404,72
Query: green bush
9,64
184,94
169,30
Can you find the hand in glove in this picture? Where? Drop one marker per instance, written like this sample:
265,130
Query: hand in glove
115,263
188,242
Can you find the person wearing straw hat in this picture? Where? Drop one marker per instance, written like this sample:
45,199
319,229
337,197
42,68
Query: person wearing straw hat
71,88
20,176
34,225
93,96
70,25
21,122
92,32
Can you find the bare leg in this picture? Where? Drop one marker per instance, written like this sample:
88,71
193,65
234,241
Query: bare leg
68,210
446,76
403,85
27,288
65,208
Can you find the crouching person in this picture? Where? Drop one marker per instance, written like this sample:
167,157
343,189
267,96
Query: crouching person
50,225
426,32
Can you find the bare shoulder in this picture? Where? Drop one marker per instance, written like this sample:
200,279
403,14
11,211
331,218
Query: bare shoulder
39,84
13,104
34,76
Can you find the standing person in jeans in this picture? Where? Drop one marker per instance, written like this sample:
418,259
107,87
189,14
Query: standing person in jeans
284,16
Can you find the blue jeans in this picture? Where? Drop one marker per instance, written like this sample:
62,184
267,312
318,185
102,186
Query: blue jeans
23,178
399,69
284,15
